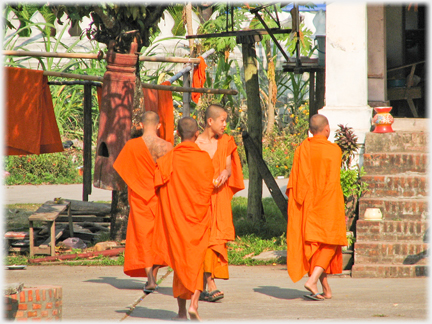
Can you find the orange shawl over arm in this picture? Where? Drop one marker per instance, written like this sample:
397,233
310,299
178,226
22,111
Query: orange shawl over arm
315,205
184,178
222,229
136,167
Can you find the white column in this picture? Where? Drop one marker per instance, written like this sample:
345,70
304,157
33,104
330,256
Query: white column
346,68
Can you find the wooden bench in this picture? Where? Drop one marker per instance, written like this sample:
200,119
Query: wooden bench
48,212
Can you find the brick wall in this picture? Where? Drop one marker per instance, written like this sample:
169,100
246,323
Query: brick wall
35,304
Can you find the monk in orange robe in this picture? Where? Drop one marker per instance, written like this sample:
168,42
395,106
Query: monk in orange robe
136,164
184,182
316,215
228,179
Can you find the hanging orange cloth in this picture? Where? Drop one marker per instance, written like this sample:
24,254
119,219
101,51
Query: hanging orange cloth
161,102
199,77
136,167
222,229
316,215
184,182
31,123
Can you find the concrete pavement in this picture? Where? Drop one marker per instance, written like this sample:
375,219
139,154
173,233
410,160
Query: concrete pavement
38,194
93,293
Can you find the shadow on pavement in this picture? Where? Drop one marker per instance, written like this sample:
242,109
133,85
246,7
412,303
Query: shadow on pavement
127,283
281,293
144,312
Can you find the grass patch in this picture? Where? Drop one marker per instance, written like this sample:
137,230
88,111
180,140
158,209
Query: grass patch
241,251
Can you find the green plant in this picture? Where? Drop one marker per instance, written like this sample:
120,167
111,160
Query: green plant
347,141
50,168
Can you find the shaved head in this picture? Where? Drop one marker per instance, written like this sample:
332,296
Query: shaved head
213,111
317,124
187,128
150,118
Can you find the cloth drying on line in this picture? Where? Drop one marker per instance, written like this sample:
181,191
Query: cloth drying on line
31,126
199,77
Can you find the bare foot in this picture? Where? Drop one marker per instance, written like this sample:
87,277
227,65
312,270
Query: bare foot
325,296
193,314
312,288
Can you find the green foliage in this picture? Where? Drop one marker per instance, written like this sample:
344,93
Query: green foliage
53,168
223,45
241,251
351,182
273,225
347,141
16,259
177,13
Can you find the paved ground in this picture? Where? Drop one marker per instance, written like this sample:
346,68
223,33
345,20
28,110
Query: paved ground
38,194
252,293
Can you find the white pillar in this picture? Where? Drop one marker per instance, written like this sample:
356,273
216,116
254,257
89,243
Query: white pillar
346,68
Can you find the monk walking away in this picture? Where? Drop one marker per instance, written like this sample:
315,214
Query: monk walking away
316,215
136,165
228,179
184,182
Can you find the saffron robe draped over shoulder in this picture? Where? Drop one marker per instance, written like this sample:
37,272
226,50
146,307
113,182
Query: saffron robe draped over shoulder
316,213
222,229
184,182
136,167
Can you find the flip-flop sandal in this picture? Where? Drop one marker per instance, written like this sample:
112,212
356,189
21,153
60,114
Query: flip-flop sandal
314,297
212,295
204,296
149,291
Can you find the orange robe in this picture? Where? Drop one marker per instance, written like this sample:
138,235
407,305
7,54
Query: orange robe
184,182
316,215
222,229
31,126
136,167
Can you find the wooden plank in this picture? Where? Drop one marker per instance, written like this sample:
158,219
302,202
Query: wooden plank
49,211
79,207
241,33
58,232
84,218
404,93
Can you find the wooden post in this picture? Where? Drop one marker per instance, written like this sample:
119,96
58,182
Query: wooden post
320,89
88,131
186,95
254,125
313,109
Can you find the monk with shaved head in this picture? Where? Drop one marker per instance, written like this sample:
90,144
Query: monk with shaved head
184,181
316,214
136,164
227,179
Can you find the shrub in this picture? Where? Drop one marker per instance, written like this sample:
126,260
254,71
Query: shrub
52,168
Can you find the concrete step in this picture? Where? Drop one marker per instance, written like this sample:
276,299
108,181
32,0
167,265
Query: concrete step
415,142
414,209
395,253
395,163
391,231
403,124
398,185
388,271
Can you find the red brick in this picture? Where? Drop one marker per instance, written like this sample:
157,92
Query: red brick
55,312
49,306
22,306
32,313
44,313
43,294
30,295
22,297
50,293
12,298
37,306
38,297
19,314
